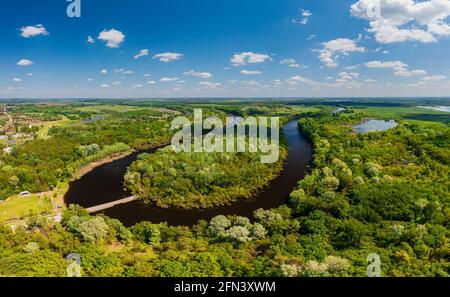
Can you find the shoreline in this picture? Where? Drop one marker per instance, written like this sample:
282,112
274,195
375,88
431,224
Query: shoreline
83,170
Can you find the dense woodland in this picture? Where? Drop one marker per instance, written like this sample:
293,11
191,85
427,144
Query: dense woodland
383,192
37,165
199,180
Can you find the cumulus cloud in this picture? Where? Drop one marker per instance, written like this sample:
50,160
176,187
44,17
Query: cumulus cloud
405,20
346,76
399,68
249,57
32,31
104,71
113,37
168,57
294,80
204,75
104,86
142,53
25,62
290,62
250,72
209,85
17,80
90,39
331,50
169,79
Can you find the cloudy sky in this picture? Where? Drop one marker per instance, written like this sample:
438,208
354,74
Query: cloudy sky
225,48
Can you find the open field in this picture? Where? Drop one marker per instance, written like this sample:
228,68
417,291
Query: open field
19,207
412,113
45,127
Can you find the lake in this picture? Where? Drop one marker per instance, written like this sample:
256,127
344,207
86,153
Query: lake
375,125
437,108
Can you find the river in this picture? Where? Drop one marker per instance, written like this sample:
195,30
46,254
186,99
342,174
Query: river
104,184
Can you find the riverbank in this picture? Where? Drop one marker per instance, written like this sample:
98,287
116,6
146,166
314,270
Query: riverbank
85,169
104,184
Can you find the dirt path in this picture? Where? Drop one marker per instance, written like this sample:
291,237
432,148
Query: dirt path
10,123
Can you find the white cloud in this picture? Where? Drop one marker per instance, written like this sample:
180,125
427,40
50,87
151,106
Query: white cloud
396,65
209,85
408,73
370,81
17,80
169,79
168,57
250,72
204,75
116,83
151,82
399,68
90,39
248,57
90,79
104,71
305,14
294,80
406,20
251,83
136,86
341,46
104,86
352,67
123,71
31,31
147,75
434,78
25,62
113,37
142,53
346,76
290,62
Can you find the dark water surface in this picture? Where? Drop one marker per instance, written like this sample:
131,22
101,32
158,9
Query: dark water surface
104,184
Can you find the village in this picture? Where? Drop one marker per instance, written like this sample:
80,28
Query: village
14,132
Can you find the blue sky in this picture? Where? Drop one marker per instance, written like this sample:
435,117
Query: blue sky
224,48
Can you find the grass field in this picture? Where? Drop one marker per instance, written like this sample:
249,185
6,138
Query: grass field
18,207
405,112
43,131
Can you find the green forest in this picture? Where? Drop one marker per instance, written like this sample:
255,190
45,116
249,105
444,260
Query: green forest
37,165
198,180
379,192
